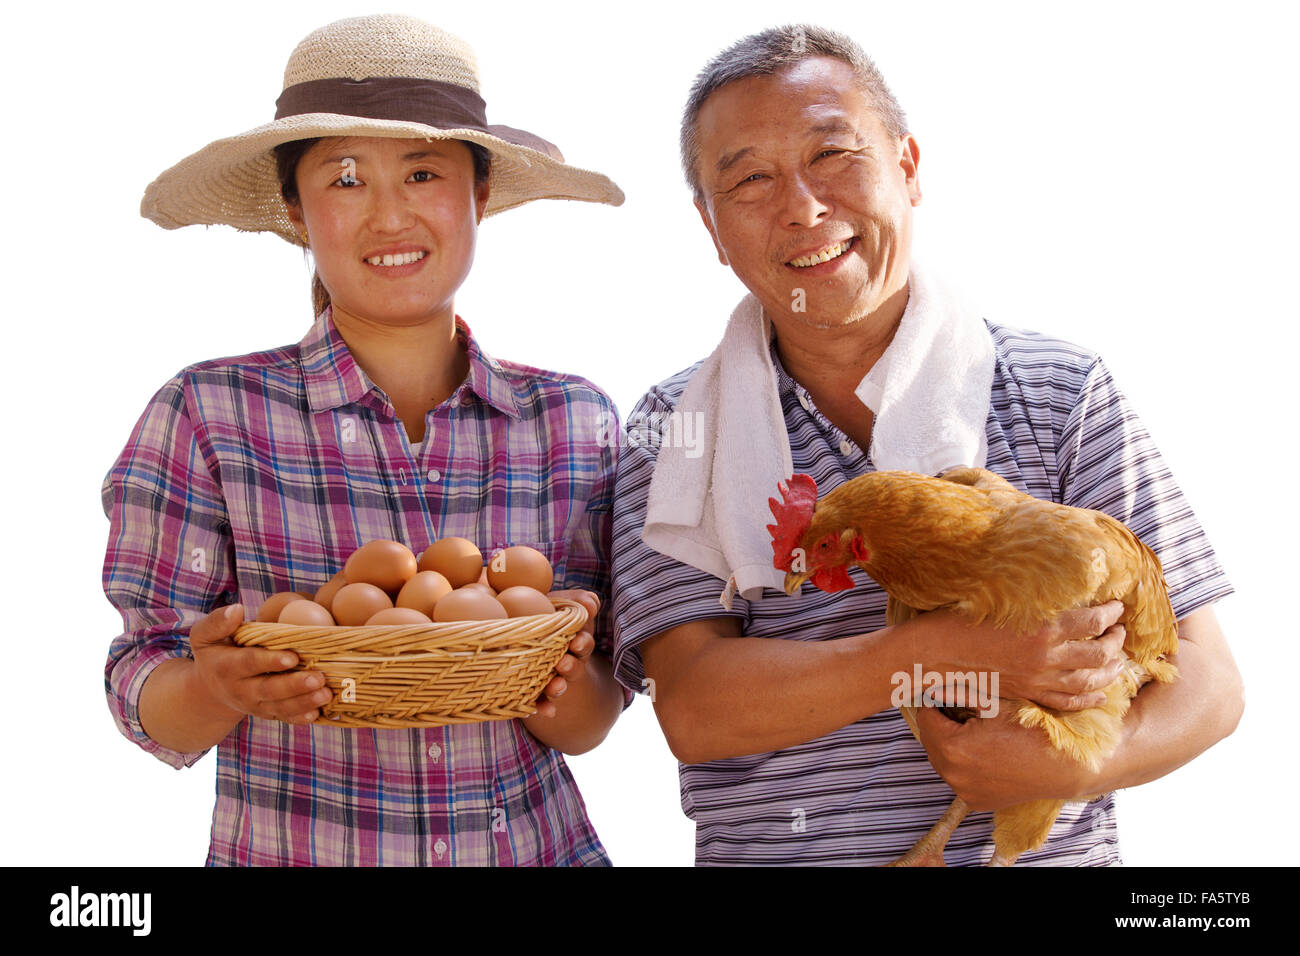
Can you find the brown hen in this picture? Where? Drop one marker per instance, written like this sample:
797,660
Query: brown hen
969,541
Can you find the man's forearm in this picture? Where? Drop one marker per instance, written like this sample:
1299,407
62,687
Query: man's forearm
725,695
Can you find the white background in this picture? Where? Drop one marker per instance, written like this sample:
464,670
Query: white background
1121,175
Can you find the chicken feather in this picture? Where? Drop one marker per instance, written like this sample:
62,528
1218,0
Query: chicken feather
971,542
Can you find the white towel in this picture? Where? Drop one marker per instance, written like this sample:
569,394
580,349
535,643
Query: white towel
707,503
930,391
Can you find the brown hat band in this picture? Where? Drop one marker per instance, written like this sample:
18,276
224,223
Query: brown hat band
430,102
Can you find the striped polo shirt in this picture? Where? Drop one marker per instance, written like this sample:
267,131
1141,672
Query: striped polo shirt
1058,429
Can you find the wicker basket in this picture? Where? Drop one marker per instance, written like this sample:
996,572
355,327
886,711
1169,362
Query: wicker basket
427,675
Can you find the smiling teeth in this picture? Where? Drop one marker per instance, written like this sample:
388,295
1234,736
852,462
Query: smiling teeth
401,259
826,255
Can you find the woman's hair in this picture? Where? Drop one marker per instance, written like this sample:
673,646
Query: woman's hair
287,157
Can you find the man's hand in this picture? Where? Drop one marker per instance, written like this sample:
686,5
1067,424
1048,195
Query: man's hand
248,680
993,762
572,666
1065,664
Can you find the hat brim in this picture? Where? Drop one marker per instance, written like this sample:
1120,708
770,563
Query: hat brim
233,181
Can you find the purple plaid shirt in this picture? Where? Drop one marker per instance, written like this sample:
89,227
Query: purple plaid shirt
261,473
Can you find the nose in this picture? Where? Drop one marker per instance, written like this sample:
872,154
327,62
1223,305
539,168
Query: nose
802,201
389,208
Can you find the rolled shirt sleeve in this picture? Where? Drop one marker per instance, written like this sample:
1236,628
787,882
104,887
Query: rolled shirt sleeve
169,559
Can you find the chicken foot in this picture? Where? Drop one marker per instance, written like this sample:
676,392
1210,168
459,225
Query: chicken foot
929,849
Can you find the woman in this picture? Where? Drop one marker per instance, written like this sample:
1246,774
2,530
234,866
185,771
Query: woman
252,475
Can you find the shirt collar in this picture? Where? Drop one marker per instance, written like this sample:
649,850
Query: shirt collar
784,382
333,378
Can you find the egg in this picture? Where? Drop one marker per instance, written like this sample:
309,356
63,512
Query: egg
270,610
357,603
523,601
398,615
457,559
423,591
469,604
385,564
520,566
307,613
325,594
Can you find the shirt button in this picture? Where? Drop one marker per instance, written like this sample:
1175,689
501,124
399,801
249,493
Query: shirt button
434,474
435,752
803,400
846,448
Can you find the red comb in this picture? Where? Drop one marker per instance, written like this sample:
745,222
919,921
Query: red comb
793,516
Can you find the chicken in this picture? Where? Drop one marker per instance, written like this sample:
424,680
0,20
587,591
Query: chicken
969,541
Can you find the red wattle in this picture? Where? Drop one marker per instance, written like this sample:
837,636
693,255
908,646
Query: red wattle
833,579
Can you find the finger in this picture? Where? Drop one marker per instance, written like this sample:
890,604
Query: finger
1092,621
589,600
556,688
1105,652
299,709
545,709
241,663
277,688
582,645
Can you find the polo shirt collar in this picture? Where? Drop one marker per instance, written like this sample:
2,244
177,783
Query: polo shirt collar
333,378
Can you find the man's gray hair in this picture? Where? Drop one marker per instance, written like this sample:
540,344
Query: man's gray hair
764,54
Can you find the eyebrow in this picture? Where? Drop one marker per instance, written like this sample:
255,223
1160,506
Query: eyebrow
726,162
336,159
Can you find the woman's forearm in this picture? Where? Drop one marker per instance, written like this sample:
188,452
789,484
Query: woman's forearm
177,712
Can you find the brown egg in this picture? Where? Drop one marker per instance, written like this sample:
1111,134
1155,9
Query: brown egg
483,586
385,564
423,591
325,595
520,566
357,603
523,601
270,610
399,615
307,613
456,559
469,604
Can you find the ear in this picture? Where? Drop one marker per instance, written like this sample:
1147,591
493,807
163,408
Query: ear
294,211
481,193
708,224
909,158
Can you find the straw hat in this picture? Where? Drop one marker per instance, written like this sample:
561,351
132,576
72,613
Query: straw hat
365,76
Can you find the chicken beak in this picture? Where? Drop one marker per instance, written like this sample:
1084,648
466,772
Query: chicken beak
793,582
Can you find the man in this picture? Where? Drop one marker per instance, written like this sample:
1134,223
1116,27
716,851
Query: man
780,707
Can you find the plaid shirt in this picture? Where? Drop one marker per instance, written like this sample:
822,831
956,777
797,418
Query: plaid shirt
251,475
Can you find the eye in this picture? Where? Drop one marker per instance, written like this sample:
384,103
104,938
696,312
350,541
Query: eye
831,152
346,181
749,180
424,175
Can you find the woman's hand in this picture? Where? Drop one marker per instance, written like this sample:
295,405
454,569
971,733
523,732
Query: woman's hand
251,680
573,665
